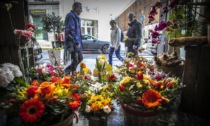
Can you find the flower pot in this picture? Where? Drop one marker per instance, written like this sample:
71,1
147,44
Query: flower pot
135,117
95,121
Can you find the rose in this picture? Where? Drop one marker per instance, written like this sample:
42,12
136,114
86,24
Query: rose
107,109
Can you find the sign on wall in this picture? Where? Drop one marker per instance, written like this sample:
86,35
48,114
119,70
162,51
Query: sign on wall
38,11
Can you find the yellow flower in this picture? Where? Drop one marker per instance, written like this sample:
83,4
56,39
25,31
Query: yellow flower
146,81
139,85
108,67
126,80
132,70
146,77
86,70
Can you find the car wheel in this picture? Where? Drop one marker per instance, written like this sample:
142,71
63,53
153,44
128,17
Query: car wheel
105,49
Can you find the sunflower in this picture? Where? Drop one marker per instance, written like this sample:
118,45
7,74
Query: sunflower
31,110
151,98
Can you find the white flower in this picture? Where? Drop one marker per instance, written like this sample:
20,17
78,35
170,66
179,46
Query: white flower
43,70
14,68
87,109
107,109
102,62
6,76
17,72
96,87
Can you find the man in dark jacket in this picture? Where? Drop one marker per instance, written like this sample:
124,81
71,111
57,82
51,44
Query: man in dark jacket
134,34
73,37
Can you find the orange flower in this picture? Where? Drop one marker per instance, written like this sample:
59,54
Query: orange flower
31,110
74,105
46,89
65,80
94,107
35,82
82,65
151,98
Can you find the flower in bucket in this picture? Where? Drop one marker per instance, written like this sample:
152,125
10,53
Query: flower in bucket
42,103
96,102
146,89
102,69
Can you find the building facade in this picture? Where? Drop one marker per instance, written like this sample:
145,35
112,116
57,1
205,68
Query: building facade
94,18
141,8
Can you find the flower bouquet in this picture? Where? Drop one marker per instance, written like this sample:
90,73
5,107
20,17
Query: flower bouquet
45,104
96,92
102,69
144,92
96,103
45,72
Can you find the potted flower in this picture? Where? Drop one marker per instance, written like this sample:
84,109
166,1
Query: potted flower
144,93
97,93
44,103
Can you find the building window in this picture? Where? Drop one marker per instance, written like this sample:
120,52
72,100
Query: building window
89,27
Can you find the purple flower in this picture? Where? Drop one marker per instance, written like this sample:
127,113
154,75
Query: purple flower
168,29
165,9
158,4
173,3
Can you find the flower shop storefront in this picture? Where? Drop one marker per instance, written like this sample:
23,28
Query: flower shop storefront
135,93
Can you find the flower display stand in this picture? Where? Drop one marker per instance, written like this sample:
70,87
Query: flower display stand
95,121
196,76
135,117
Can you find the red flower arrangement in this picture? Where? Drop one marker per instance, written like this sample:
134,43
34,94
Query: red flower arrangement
145,89
43,103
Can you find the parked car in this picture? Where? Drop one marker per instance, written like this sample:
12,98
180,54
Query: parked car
37,50
91,43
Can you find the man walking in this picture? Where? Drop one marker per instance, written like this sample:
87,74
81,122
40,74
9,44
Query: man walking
134,34
73,37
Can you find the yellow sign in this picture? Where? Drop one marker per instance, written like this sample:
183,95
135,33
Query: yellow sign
38,11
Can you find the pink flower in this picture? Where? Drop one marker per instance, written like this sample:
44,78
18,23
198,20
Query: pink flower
26,33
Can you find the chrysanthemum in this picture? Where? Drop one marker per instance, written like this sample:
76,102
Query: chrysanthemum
151,98
31,110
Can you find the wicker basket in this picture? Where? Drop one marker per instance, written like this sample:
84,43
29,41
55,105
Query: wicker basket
95,121
135,117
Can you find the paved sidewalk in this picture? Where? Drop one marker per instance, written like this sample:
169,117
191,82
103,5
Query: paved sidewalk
45,45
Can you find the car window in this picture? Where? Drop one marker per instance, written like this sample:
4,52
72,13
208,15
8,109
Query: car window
85,37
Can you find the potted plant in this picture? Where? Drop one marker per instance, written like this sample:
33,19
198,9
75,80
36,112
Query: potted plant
53,23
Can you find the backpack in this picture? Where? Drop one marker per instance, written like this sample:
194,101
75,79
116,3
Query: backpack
122,36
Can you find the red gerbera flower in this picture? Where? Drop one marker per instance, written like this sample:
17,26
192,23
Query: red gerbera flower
74,105
31,110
